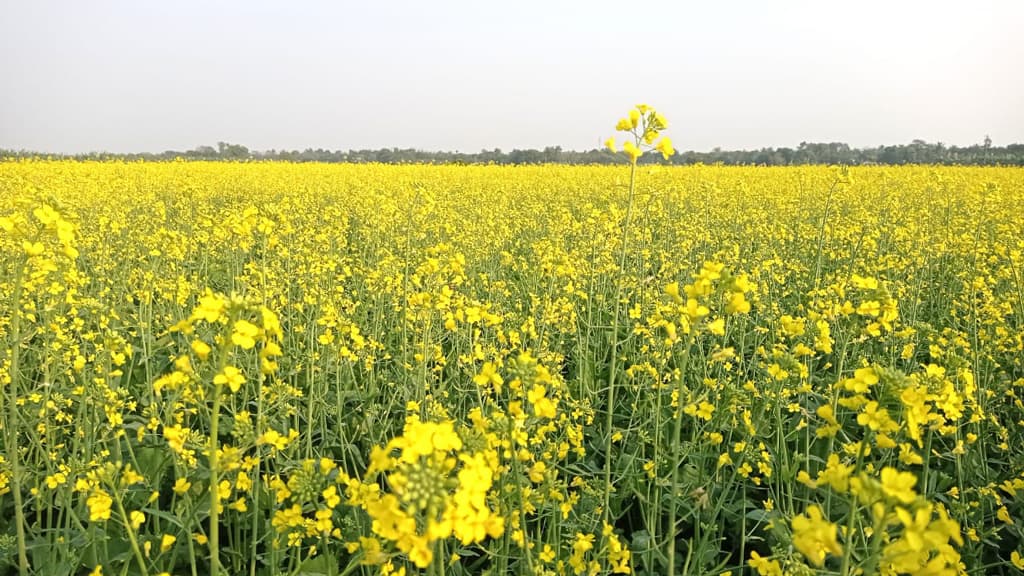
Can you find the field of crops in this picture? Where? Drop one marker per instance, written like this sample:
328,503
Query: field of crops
363,369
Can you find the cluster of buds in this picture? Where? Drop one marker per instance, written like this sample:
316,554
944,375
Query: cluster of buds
645,125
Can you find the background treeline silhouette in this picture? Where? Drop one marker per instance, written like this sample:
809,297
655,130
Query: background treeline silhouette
917,152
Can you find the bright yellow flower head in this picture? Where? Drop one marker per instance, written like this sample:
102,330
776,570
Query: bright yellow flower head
665,147
634,118
644,124
136,518
814,536
99,506
210,308
245,334
202,349
181,486
231,376
899,485
632,152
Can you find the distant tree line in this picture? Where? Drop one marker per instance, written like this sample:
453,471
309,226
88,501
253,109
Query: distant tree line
917,152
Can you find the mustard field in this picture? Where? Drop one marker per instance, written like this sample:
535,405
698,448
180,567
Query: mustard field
309,369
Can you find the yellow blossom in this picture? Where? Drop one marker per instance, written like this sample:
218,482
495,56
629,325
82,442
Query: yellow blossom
814,536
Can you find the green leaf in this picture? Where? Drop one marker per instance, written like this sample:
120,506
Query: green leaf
319,566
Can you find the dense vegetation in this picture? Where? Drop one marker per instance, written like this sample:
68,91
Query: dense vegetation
501,370
917,152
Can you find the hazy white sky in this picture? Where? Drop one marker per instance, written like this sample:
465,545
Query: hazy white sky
128,76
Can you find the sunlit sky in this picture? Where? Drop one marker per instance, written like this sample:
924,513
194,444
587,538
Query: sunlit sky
130,76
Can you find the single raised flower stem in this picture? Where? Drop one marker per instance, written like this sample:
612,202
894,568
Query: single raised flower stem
613,366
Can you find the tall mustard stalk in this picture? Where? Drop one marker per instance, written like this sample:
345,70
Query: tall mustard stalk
214,446
644,125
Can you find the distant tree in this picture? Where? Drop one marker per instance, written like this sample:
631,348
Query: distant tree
203,153
917,151
232,151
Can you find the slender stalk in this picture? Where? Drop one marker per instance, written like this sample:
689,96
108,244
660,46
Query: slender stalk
821,233
190,539
654,511
256,492
845,569
214,537
518,473
131,536
10,428
613,366
677,430
214,481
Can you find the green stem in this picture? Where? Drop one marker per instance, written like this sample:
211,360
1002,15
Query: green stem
854,508
821,234
518,474
610,407
677,430
10,428
214,481
131,536
214,457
